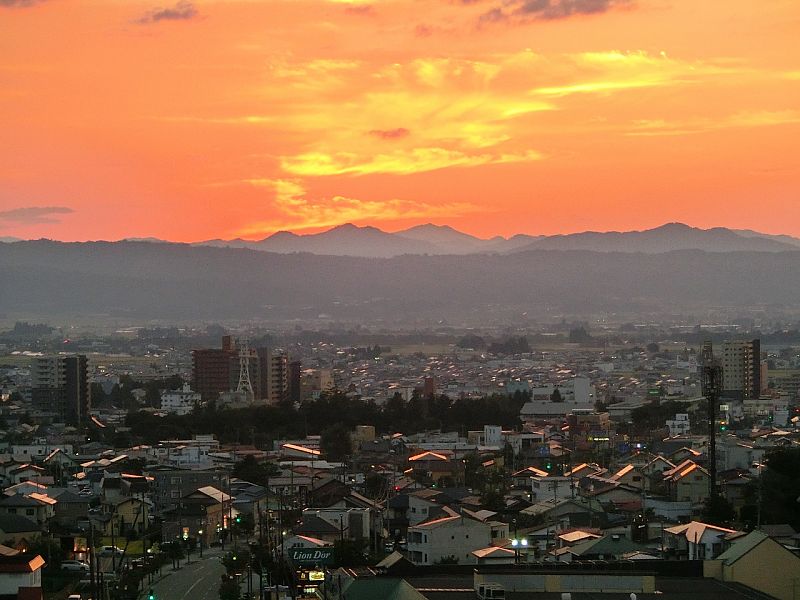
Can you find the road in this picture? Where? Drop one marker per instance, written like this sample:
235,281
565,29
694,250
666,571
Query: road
198,580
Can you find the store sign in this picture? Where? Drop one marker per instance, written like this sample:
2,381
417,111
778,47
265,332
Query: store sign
311,556
316,576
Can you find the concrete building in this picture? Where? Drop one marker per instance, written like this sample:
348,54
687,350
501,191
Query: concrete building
211,371
741,369
273,375
60,385
679,425
452,537
216,371
180,402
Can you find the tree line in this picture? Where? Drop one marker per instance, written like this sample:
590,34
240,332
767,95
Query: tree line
260,425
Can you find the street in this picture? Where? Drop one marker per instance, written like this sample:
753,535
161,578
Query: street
199,580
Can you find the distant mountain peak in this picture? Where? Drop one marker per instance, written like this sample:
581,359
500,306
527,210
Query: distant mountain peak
673,226
281,234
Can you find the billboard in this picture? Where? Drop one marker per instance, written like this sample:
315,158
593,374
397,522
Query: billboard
311,556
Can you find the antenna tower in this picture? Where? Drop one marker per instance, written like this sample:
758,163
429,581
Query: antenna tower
245,385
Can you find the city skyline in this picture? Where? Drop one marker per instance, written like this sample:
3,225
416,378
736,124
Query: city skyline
214,119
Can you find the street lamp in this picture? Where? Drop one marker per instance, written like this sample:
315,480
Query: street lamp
518,543
200,536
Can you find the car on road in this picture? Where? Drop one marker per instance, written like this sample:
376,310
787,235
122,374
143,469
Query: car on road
109,551
74,565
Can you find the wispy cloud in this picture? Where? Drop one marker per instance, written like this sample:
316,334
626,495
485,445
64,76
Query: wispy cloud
546,10
453,112
663,127
18,3
296,211
390,134
33,215
400,162
182,11
609,72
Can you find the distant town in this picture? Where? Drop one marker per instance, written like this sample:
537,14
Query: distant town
575,460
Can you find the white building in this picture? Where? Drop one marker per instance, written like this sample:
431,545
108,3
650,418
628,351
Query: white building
577,390
679,425
179,402
448,538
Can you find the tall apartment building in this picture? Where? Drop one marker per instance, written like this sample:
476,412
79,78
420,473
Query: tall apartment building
741,368
211,371
274,375
215,371
60,384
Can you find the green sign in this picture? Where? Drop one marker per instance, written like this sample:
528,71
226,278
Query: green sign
311,556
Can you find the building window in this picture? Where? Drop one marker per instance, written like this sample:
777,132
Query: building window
29,511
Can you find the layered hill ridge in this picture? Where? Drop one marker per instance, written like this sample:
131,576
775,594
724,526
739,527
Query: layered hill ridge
353,240
145,280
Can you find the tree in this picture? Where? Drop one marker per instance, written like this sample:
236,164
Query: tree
556,396
48,549
243,524
718,511
174,552
236,561
471,341
229,589
579,335
335,443
249,469
780,488
652,348
349,553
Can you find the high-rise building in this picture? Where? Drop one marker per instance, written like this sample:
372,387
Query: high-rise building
274,375
60,384
741,368
211,371
216,371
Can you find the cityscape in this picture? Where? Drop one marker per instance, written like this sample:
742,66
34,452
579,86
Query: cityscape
450,462
399,300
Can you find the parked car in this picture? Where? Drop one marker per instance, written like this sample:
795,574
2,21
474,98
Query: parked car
74,565
109,551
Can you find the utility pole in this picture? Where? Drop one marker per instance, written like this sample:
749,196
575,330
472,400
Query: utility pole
711,380
92,571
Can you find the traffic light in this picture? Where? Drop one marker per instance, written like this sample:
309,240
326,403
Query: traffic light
151,595
548,466
238,519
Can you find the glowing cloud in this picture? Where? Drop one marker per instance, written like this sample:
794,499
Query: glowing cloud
298,212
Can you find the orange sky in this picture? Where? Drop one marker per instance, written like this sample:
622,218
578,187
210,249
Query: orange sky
225,118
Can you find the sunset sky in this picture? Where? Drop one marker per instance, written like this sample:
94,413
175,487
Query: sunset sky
223,118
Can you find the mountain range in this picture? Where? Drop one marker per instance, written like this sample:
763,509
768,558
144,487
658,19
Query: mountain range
371,242
351,240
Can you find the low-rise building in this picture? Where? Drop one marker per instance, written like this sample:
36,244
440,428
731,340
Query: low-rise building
452,537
